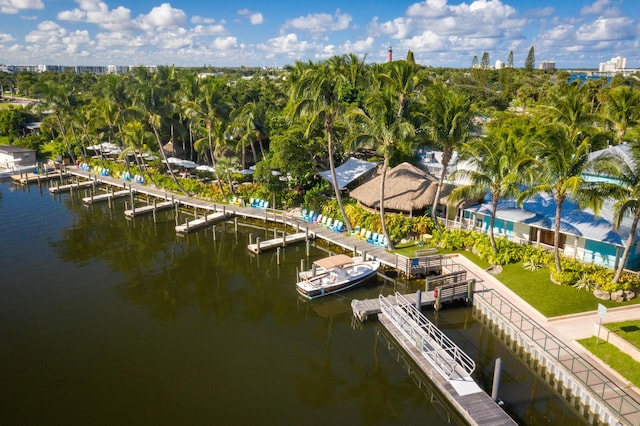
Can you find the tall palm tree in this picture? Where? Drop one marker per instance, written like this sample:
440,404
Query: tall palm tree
318,92
151,94
448,122
499,163
380,126
61,100
622,108
562,163
624,189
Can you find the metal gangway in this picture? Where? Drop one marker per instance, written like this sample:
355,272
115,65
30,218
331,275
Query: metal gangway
441,352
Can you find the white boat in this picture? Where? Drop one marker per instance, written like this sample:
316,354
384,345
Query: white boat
335,273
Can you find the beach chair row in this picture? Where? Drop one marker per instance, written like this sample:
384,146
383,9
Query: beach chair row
375,238
258,203
324,221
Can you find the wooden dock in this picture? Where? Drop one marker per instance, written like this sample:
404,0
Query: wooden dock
363,309
283,241
148,209
472,403
203,222
71,186
26,178
108,196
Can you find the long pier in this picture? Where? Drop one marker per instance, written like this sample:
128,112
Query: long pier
27,178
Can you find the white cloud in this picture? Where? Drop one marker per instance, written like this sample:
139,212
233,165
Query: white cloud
97,12
256,18
286,44
596,8
606,29
224,43
15,6
319,23
6,38
163,16
200,20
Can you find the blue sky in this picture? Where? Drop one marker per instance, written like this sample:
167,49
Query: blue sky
573,33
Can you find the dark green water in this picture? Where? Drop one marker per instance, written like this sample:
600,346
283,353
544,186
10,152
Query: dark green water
105,320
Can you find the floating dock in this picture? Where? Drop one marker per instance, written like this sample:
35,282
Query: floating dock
283,241
203,222
139,211
363,309
106,197
71,186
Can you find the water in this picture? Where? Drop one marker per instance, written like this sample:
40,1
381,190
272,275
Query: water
106,320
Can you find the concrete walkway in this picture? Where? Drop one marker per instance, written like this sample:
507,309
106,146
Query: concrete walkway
571,328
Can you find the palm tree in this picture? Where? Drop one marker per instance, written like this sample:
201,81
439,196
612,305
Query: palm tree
381,127
622,108
151,102
60,100
318,92
625,191
562,163
498,163
137,139
448,122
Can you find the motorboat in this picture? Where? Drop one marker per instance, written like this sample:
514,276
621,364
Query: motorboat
334,274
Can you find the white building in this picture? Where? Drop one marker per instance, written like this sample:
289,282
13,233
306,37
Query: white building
499,64
615,64
15,157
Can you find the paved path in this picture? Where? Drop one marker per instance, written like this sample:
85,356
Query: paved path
569,328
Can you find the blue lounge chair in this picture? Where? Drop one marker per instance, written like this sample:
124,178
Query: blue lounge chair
373,238
355,231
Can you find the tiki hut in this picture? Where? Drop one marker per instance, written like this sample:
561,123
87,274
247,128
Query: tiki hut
407,189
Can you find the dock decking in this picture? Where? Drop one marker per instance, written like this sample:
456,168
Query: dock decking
283,241
363,309
107,196
203,222
477,407
71,186
148,209
27,178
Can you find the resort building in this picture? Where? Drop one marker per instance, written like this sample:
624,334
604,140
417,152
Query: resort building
585,236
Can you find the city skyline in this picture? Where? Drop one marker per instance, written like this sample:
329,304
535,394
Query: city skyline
446,33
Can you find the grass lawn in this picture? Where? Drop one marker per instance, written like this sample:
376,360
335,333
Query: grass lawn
550,299
627,330
616,359
4,140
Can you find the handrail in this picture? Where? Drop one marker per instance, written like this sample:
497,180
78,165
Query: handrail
439,350
579,370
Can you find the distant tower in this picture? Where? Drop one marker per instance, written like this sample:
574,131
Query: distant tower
389,54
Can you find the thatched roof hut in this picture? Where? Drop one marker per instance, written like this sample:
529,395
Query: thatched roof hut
407,189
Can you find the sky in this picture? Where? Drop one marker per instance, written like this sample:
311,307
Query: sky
441,33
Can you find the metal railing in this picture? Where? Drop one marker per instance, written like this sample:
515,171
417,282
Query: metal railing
443,354
572,370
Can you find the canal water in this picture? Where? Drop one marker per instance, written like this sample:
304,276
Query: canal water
105,320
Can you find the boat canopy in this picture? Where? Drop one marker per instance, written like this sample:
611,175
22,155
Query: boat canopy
334,261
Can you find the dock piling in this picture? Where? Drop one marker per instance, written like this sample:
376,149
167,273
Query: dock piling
497,372
258,244
278,255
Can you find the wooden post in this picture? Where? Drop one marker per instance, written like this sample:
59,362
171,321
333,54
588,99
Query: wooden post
278,255
235,224
258,245
308,244
250,238
418,300
470,287
214,232
187,225
284,239
437,304
497,371
302,265
154,215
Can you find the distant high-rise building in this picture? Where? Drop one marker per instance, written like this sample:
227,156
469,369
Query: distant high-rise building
499,64
615,64
548,65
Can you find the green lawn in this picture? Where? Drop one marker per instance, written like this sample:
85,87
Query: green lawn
615,358
627,330
409,250
550,299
